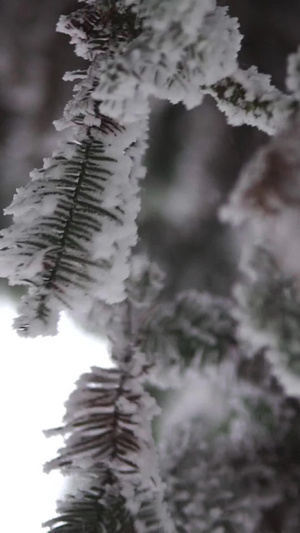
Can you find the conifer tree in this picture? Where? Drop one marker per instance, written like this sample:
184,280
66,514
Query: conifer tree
224,370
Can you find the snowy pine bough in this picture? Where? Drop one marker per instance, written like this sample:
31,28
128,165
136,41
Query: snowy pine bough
74,223
217,464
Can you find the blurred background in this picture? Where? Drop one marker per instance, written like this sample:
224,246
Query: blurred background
193,162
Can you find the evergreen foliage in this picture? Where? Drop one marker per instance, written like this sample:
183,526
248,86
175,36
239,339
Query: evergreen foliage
110,449
223,466
228,449
74,223
194,330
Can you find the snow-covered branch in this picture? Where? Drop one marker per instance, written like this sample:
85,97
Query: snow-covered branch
265,202
109,451
74,223
195,330
248,97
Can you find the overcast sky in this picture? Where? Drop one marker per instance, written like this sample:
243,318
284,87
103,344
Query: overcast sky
37,376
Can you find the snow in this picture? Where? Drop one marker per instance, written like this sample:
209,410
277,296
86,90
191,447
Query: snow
182,47
248,97
135,467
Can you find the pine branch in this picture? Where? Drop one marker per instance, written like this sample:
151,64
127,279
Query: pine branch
266,201
248,97
85,198
107,424
196,330
181,46
74,223
210,58
94,510
204,62
74,228
268,313
101,435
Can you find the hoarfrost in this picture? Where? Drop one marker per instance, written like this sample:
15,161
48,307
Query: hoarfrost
248,97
